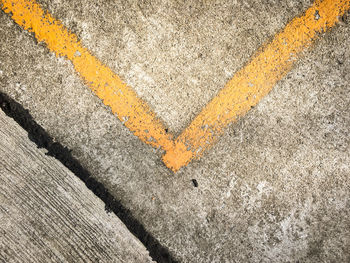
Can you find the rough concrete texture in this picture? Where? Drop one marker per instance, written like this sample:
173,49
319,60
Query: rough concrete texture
275,188
48,215
176,54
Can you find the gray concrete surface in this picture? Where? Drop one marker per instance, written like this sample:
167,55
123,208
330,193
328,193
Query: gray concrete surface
48,215
275,188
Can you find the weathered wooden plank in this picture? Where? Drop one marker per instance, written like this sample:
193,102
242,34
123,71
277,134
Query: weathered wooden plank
48,215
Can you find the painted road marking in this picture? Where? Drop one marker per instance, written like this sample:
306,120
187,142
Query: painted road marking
244,90
254,81
136,115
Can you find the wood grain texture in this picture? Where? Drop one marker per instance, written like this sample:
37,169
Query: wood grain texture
48,215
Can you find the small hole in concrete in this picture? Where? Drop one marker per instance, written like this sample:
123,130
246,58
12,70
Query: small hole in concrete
195,183
317,15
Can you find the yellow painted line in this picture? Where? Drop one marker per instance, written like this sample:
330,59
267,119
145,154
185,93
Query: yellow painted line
123,101
243,91
254,81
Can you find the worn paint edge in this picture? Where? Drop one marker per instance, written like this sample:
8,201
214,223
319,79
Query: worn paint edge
249,85
135,114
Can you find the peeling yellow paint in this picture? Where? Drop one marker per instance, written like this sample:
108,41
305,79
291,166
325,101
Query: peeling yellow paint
123,101
254,81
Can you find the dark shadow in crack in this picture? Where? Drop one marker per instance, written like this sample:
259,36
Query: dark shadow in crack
41,138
